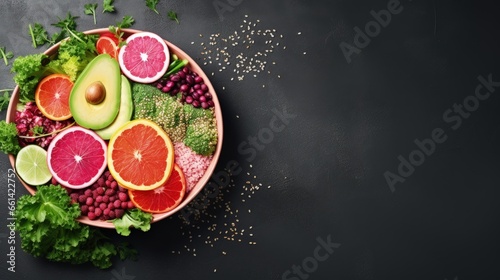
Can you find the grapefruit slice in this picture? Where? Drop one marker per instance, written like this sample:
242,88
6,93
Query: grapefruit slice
31,165
144,58
140,155
163,198
52,96
77,157
107,45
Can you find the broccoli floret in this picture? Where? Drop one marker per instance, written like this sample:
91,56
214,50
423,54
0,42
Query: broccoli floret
201,136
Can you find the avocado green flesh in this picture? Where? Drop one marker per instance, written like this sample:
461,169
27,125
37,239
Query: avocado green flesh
105,69
124,114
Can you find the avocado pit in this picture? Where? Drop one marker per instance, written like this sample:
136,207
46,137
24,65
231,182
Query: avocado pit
95,93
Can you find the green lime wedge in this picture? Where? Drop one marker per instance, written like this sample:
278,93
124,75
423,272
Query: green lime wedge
31,165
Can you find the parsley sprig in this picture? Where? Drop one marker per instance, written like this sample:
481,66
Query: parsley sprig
173,16
151,4
90,9
5,98
127,21
107,6
6,55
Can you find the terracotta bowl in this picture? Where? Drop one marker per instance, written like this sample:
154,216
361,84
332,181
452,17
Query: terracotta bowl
11,114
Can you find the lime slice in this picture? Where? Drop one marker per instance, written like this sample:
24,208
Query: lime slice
31,165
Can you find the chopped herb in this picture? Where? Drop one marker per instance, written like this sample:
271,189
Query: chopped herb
107,6
5,55
39,35
152,5
126,22
90,9
37,130
69,23
173,16
5,98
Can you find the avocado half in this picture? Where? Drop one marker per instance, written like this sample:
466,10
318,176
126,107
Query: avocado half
124,113
94,100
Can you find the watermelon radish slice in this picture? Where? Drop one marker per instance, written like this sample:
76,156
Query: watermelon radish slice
144,58
77,157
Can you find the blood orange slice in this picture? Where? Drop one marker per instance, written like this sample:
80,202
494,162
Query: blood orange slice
144,58
77,157
140,155
163,198
52,96
107,45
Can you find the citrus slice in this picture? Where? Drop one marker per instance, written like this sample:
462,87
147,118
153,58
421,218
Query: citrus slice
144,58
52,96
163,198
140,155
77,157
31,165
107,45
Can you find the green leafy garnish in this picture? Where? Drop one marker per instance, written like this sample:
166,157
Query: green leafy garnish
73,55
68,23
173,16
37,130
134,218
5,98
127,21
8,140
47,225
90,9
6,55
107,6
39,36
152,5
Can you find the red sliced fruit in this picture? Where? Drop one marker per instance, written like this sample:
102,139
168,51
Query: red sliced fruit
52,96
164,198
107,45
144,58
77,157
110,35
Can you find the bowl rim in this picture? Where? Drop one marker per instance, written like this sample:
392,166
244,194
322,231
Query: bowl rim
173,49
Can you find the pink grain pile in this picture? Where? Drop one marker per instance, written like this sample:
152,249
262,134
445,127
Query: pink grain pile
193,165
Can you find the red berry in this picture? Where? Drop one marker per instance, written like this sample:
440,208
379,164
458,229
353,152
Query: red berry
82,198
100,190
119,213
91,208
105,198
124,205
98,212
122,196
117,204
88,192
89,201
130,205
103,206
91,215
112,214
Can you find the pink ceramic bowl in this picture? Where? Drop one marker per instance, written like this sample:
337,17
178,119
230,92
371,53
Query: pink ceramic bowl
11,114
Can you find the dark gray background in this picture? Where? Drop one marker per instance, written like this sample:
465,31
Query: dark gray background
326,168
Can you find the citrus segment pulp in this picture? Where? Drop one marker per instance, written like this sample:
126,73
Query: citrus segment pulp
141,155
77,157
144,58
31,165
107,45
52,96
163,198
